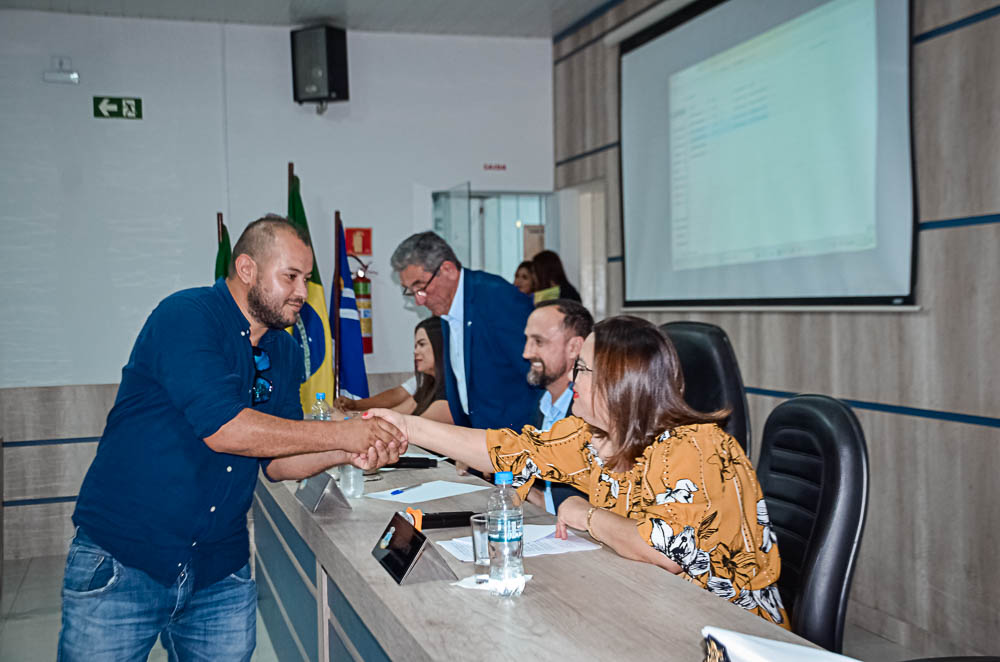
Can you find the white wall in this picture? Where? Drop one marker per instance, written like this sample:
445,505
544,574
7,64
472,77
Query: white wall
102,218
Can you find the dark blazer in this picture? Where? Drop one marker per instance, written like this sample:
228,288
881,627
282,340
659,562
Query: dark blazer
560,491
495,313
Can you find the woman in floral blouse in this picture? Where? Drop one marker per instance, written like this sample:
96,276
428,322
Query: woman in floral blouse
667,486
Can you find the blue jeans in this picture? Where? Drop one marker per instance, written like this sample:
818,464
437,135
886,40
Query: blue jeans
113,613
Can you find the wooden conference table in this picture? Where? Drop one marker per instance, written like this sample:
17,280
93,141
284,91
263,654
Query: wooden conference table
324,596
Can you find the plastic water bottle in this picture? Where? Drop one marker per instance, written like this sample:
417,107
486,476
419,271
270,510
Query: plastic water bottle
505,525
320,410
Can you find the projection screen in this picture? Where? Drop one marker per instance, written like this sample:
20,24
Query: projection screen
766,155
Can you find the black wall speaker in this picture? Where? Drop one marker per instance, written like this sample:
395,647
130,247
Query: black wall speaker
319,64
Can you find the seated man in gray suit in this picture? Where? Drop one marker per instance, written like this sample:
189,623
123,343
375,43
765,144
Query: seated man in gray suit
553,337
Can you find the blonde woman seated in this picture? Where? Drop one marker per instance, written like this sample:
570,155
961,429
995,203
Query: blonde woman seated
423,394
666,485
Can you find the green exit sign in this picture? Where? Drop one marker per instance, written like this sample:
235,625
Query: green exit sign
121,108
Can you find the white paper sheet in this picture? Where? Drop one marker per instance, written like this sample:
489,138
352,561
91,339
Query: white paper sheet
460,548
539,539
553,545
435,489
746,648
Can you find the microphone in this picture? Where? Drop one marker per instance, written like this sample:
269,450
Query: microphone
413,463
446,520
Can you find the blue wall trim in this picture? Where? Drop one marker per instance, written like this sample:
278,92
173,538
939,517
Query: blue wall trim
290,590
277,629
338,649
355,629
953,417
960,222
587,19
299,548
957,25
39,501
50,442
596,150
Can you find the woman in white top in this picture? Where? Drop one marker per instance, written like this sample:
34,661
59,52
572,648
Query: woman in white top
420,395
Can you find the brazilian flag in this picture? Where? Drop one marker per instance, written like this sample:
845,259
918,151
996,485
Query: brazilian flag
225,254
312,330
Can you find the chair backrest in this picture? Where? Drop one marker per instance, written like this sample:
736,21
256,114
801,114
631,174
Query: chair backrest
813,470
712,379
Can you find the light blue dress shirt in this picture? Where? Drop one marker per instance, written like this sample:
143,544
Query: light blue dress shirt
456,343
552,412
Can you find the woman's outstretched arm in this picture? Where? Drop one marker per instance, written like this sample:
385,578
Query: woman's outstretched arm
464,445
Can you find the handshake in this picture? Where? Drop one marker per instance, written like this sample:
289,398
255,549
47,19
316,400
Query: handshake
375,439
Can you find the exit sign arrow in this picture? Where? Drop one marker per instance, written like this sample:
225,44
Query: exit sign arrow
106,107
124,108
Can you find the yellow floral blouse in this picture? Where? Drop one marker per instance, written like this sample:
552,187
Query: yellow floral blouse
693,496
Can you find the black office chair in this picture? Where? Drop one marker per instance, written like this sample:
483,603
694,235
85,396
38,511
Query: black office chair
712,379
813,471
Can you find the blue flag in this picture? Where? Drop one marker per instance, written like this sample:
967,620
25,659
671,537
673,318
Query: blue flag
353,380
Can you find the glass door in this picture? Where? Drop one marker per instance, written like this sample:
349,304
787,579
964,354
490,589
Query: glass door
453,221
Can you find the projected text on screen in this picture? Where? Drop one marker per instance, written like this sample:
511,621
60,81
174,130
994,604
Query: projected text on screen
771,153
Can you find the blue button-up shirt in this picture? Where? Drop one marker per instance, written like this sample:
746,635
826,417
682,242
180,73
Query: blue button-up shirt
156,496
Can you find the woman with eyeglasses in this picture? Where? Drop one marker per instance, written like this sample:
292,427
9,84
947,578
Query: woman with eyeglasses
666,484
424,393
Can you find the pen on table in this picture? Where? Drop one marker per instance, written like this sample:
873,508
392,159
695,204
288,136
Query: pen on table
403,489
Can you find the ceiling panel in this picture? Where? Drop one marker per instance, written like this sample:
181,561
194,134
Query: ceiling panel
507,18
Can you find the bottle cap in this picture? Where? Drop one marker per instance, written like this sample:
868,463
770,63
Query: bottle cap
321,396
503,478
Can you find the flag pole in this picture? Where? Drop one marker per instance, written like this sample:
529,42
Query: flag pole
218,225
338,231
291,176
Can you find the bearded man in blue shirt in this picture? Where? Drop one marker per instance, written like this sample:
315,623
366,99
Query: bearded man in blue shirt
209,396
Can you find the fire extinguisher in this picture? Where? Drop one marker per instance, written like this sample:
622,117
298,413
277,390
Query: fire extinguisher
363,299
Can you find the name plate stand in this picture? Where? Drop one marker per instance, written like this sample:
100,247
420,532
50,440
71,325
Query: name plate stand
323,490
408,556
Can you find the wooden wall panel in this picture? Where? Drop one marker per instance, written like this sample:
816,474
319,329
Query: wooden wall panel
941,358
957,122
928,557
600,26
926,575
581,108
931,14
47,471
38,472
55,412
38,530
933,481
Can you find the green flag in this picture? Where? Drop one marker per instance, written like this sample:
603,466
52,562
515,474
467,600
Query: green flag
312,330
224,256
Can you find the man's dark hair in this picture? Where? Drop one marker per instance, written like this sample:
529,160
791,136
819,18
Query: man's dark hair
424,249
576,318
258,238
